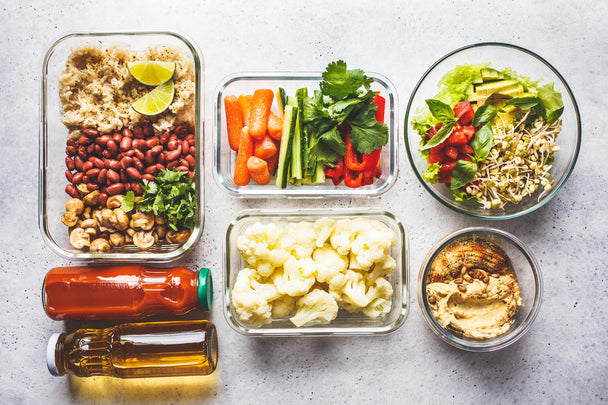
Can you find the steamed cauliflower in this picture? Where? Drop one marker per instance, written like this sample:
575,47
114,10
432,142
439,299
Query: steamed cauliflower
317,306
342,236
329,263
305,238
291,279
283,306
370,246
323,227
250,298
261,247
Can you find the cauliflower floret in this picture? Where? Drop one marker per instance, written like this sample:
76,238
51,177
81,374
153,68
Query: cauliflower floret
383,268
282,307
291,280
250,298
377,307
329,263
380,289
352,291
317,306
342,236
373,241
305,238
323,227
260,247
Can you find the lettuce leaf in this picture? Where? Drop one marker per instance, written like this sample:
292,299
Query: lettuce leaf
432,173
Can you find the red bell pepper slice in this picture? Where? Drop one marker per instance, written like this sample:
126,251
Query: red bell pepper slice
371,162
337,170
380,102
352,160
336,180
352,179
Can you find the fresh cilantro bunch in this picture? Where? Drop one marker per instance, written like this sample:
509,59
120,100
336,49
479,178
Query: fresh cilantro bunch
172,196
345,98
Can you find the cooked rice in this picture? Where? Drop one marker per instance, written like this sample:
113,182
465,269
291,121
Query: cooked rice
97,90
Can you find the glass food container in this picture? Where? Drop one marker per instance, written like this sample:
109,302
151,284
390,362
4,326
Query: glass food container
246,83
345,323
54,134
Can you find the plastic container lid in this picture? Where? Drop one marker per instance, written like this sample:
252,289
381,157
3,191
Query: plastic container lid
205,289
50,354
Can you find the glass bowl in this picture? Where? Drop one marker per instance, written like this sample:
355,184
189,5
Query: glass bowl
528,276
346,323
54,134
525,63
224,158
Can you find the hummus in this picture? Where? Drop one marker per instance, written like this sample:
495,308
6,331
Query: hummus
482,311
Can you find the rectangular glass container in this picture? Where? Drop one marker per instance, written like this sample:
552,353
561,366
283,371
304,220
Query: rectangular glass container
346,323
54,134
224,158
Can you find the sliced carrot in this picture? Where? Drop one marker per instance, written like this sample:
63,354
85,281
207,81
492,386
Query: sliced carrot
260,109
275,126
241,174
264,148
258,169
234,120
273,162
245,102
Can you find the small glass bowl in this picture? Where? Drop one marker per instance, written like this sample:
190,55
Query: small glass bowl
528,276
224,158
52,181
524,62
345,323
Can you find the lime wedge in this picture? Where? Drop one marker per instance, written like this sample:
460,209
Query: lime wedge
156,101
151,73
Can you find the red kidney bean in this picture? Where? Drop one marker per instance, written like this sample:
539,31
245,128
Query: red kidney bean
126,143
147,176
164,137
92,186
69,163
112,147
106,154
185,146
102,140
191,174
127,132
83,140
104,190
191,141
136,187
82,152
127,186
172,144
87,166
138,164
90,132
113,176
151,142
149,158
123,175
140,144
68,175
126,162
162,158
171,165
77,178
148,130
160,166
71,142
97,162
78,163
85,179
191,161
116,188
174,154
72,191
133,173
151,169
191,128
156,150
102,199
91,149
138,154
92,173
181,169
102,176
192,150
98,149
138,131
117,137
111,164
129,153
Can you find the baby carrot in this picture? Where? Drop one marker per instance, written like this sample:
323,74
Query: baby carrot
273,162
264,148
275,126
260,109
234,120
245,102
258,169
241,174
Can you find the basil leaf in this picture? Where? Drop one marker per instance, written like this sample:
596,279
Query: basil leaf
441,111
484,114
441,135
482,142
463,173
524,103
540,110
128,202
554,115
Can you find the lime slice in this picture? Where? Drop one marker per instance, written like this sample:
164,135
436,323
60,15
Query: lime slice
156,101
151,73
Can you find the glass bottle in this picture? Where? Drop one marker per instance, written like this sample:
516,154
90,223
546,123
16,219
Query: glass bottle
124,292
154,349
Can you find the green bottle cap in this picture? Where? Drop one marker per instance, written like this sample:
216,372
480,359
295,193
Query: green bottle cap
205,289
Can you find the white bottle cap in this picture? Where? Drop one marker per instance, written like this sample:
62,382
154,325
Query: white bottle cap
50,354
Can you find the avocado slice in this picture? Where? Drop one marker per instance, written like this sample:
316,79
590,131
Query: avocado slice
489,75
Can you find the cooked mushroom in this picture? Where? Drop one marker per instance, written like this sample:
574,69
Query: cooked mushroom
114,201
122,219
142,220
131,232
160,220
178,237
74,205
128,238
69,218
91,231
97,215
91,198
143,240
88,223
108,219
117,239
87,212
160,231
79,238
82,188
100,245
